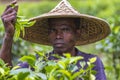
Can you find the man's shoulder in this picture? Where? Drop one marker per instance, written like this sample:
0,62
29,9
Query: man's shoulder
88,56
85,55
81,53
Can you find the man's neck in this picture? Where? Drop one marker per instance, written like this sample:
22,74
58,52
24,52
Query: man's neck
71,51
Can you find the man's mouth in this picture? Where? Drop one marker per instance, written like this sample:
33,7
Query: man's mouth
58,44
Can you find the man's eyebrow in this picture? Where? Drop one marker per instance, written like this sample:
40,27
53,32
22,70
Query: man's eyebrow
65,24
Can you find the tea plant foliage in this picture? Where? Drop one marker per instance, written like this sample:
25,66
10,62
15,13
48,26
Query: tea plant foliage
64,68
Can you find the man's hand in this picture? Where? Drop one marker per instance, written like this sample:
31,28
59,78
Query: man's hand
9,18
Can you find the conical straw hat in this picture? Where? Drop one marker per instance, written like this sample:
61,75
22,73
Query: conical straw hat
92,28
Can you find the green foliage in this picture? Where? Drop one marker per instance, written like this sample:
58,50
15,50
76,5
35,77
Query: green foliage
106,9
44,69
20,24
112,44
21,47
4,71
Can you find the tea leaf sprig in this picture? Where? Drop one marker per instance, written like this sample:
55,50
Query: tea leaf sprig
20,25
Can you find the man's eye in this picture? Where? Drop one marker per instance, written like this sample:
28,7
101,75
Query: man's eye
66,29
51,30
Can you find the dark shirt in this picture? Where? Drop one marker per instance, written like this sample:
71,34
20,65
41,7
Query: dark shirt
99,68
100,75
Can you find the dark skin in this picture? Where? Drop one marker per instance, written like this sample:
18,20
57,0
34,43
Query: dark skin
62,34
9,18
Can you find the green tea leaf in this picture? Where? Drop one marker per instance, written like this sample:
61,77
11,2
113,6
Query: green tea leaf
92,60
41,75
75,59
16,67
92,77
30,59
67,55
20,24
29,24
65,72
40,53
79,73
22,75
17,71
2,62
2,71
61,65
51,76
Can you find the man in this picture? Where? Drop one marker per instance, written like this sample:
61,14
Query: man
63,28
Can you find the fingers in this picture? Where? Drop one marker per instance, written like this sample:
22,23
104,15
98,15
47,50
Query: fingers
9,19
10,13
9,10
14,2
15,13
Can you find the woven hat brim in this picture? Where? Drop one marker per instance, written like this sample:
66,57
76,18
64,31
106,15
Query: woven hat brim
92,29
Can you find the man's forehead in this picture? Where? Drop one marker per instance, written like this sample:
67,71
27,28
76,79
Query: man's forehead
70,22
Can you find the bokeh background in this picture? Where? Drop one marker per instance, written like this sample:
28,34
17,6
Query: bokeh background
108,49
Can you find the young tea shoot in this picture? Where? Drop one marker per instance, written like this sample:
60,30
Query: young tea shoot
20,25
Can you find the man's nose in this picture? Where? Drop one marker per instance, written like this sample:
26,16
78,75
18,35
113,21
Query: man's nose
59,34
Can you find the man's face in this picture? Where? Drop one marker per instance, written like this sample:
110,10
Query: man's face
62,34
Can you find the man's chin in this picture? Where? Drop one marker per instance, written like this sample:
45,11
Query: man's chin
59,49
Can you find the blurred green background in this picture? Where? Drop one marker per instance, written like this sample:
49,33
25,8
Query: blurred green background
108,49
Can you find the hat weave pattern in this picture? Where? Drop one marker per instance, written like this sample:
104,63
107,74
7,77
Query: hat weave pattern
92,29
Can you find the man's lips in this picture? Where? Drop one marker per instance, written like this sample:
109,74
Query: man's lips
58,43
